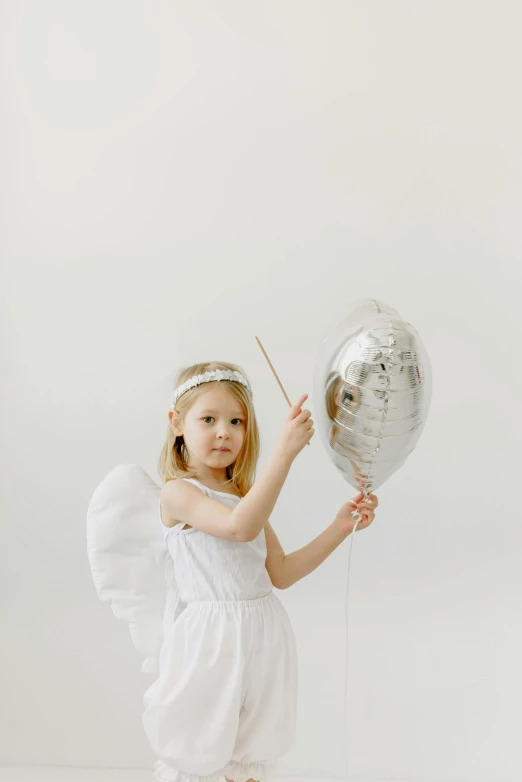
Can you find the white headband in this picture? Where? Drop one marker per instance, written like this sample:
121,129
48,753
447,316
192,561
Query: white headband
207,377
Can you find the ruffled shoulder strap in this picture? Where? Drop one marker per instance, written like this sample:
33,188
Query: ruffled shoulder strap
130,565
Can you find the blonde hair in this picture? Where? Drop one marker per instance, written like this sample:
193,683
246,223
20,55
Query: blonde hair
173,462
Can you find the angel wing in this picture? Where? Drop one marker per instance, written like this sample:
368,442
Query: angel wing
130,565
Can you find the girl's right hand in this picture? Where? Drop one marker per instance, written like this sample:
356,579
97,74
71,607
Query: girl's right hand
297,430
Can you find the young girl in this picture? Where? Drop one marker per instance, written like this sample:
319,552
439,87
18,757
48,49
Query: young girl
224,701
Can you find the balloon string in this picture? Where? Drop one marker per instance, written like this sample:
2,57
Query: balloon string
357,518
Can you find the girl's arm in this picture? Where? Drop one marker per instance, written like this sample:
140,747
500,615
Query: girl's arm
252,513
300,563
185,502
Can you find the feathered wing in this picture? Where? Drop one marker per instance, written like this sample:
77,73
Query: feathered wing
130,565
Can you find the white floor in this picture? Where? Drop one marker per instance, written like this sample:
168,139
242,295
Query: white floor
37,774
34,774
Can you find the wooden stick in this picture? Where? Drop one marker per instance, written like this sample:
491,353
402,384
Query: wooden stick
275,375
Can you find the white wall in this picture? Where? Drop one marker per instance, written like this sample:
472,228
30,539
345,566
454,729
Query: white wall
180,177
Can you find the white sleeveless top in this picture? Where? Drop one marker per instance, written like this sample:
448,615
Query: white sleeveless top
214,569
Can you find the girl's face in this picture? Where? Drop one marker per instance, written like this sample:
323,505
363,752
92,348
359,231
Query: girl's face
215,421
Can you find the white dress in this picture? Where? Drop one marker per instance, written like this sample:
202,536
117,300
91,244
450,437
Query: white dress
225,700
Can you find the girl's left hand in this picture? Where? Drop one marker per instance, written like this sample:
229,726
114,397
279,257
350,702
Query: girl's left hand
366,509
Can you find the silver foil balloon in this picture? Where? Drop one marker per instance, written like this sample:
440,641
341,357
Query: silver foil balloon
372,388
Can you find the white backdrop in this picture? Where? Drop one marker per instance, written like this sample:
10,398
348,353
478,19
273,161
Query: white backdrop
180,177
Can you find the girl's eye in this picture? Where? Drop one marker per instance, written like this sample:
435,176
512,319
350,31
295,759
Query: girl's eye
209,416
